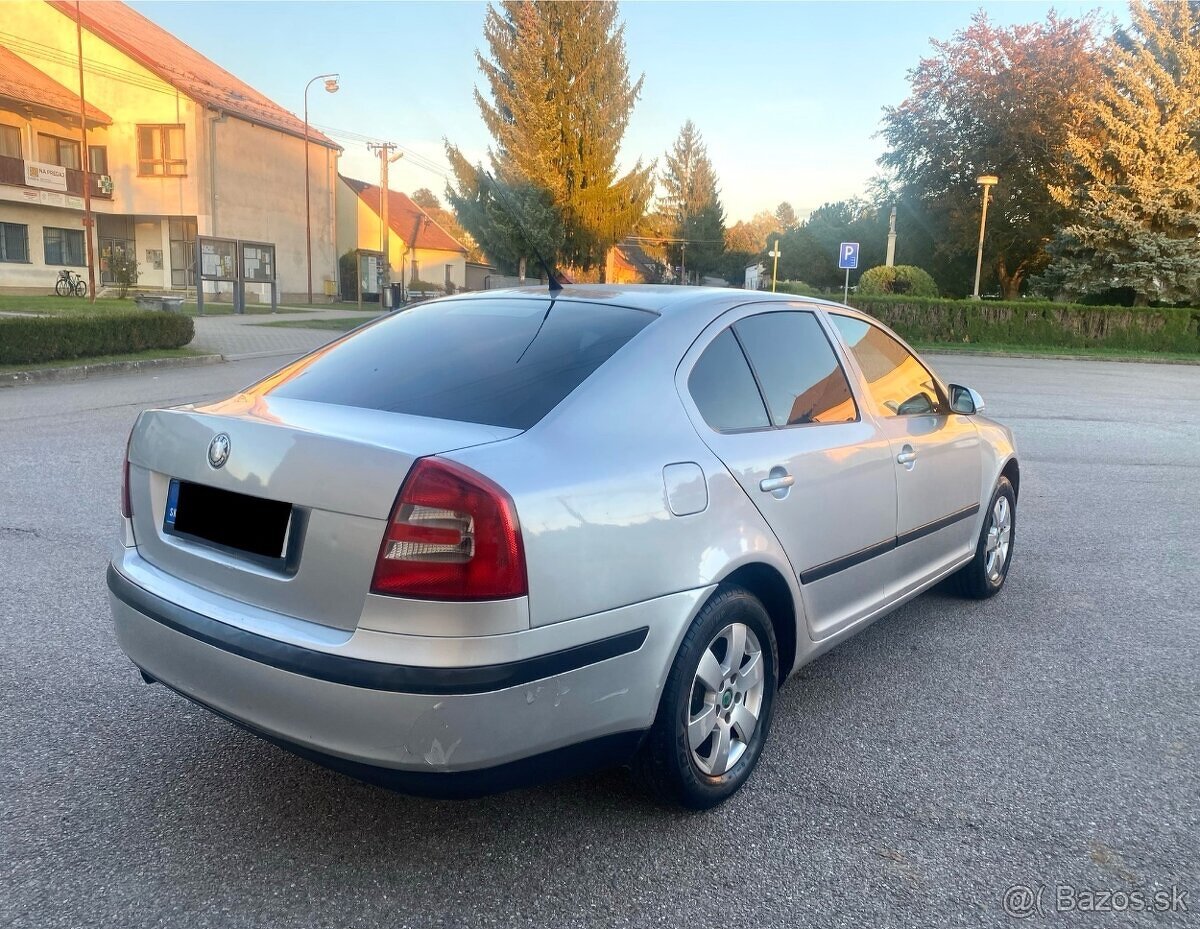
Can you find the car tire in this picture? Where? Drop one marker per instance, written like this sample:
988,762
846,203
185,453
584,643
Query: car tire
709,684
985,574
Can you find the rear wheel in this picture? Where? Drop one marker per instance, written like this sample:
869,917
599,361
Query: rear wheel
62,287
985,574
716,708
81,288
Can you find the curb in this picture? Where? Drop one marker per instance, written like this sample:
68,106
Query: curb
104,369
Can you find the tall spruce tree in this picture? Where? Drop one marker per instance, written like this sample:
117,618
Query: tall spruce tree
692,203
559,100
1138,190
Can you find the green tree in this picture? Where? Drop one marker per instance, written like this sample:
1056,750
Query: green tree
785,215
1000,101
427,200
1137,193
559,100
692,203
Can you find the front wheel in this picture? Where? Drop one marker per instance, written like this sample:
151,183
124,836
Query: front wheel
716,707
985,574
62,287
81,288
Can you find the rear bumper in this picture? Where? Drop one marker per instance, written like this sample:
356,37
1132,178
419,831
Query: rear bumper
449,729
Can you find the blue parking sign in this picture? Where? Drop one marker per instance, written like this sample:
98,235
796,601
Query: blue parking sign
848,256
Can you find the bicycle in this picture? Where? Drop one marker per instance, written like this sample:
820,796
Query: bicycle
69,283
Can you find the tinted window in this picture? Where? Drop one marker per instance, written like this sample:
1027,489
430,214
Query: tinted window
899,385
724,389
800,376
499,362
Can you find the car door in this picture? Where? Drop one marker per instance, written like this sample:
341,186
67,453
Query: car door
937,457
771,399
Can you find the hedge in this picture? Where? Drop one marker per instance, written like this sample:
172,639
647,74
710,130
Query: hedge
1068,325
35,339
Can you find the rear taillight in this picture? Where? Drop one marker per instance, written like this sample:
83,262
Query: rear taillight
453,535
126,501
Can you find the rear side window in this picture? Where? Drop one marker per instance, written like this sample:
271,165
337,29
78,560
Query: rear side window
801,378
899,385
498,362
723,387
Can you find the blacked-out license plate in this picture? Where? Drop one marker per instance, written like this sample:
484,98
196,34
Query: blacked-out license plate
228,519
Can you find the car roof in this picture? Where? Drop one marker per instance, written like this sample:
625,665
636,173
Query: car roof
665,299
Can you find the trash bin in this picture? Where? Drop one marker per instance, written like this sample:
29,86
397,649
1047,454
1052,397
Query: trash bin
393,296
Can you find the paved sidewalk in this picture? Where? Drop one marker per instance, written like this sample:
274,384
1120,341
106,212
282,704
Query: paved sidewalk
238,337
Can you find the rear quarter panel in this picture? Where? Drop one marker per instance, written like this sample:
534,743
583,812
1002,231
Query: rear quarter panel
590,495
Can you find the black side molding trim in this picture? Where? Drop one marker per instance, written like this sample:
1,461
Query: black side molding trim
929,528
822,571
360,672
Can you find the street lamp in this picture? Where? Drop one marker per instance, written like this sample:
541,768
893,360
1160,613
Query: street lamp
331,86
776,254
987,182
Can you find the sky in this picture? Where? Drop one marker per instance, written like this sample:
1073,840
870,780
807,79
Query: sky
787,95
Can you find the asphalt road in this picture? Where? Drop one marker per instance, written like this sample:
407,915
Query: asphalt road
951,750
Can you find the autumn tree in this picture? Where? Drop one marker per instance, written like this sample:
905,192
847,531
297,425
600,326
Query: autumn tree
691,201
1000,101
558,100
1137,192
751,235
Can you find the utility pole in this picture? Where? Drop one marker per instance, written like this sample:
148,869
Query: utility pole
85,161
384,151
891,247
775,253
987,182
683,263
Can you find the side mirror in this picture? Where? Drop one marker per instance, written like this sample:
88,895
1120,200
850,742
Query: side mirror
965,400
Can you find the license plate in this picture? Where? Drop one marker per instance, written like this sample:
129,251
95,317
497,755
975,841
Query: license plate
228,520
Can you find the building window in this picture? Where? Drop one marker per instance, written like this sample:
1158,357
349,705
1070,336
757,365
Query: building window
63,246
98,159
161,152
14,242
53,150
10,141
183,251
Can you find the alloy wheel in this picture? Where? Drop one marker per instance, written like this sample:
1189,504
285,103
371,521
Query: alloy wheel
999,539
726,700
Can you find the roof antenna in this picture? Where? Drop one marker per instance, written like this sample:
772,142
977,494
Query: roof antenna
555,283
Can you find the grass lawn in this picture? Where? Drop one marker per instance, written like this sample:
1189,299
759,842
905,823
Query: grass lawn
102,359
54,305
1110,354
337,325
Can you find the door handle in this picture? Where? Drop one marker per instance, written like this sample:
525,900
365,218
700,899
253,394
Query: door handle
771,484
906,456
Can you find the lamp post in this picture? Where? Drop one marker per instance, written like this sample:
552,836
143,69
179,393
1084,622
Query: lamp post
987,182
331,86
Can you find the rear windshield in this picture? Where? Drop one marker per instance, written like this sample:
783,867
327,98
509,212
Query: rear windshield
501,362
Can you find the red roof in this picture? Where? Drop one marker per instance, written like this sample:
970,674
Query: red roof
21,81
414,226
182,66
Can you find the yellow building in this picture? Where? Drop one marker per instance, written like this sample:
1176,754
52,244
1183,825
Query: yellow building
176,147
419,249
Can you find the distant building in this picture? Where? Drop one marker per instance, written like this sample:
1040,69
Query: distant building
176,147
419,249
754,277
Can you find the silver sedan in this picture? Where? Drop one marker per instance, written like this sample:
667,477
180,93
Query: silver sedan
506,536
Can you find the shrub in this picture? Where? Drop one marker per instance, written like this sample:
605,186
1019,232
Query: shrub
34,339
899,279
794,287
1028,322
124,270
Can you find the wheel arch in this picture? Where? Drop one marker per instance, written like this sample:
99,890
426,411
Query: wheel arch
772,589
1012,471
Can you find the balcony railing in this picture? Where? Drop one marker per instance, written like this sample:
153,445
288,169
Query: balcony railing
12,171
